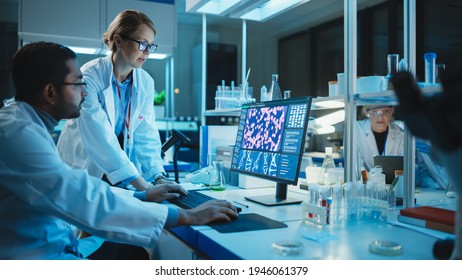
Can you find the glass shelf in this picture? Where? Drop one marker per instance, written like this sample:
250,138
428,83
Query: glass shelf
389,97
384,98
331,102
231,112
319,103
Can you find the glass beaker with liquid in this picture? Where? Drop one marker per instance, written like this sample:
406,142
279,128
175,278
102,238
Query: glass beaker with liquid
217,179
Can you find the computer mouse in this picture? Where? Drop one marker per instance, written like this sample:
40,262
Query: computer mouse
451,194
238,209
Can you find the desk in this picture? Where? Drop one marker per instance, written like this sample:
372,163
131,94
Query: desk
343,241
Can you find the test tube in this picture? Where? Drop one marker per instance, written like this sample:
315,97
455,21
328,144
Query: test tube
430,67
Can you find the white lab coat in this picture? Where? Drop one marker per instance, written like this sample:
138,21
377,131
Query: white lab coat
90,142
40,196
367,147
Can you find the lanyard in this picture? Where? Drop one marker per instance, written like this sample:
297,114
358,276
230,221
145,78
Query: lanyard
128,114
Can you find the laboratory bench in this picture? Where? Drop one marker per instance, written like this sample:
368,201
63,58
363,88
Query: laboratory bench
343,241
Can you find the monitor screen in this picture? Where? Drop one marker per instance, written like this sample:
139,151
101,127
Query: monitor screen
270,144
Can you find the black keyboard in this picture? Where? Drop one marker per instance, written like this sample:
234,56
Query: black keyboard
193,199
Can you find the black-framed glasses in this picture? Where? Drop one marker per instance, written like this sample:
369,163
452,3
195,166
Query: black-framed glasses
142,45
83,84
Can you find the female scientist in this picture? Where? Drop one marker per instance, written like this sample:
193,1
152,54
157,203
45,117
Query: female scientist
116,137
378,135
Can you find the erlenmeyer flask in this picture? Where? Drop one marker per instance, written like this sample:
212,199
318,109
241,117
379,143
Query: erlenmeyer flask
217,180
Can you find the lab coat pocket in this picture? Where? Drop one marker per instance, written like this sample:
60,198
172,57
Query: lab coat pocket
137,121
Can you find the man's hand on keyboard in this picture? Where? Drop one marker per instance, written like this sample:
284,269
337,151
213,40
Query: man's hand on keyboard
211,211
161,192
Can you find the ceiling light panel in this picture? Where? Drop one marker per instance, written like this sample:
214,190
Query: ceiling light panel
265,9
215,7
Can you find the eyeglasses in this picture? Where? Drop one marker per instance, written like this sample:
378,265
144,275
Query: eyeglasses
142,45
379,112
82,84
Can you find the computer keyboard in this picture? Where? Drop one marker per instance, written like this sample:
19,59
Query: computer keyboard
193,199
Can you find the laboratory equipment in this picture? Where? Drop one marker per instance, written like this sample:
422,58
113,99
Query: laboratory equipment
392,67
217,179
275,90
264,94
440,67
430,67
177,139
273,149
328,175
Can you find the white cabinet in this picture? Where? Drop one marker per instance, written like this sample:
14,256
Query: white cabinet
82,23
73,23
162,15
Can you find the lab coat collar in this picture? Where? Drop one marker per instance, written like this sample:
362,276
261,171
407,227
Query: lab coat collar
47,119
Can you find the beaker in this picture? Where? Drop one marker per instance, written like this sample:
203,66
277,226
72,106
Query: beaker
208,169
217,179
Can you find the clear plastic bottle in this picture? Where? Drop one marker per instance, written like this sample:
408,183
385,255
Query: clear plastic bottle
264,94
328,174
377,194
440,67
392,67
275,90
377,175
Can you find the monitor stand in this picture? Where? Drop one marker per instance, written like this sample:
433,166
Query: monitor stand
275,200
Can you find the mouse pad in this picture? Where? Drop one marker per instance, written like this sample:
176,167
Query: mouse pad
247,222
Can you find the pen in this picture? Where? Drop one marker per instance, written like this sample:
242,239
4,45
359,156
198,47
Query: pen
246,206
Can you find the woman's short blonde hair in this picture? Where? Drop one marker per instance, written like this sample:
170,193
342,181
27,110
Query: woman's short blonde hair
126,23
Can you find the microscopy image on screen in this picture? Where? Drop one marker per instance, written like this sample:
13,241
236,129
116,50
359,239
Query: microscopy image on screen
270,139
264,128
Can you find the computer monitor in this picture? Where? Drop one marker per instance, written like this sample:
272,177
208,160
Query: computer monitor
270,144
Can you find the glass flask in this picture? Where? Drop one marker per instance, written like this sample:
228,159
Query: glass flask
275,90
217,179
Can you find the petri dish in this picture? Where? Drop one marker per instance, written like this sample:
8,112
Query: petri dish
288,247
385,248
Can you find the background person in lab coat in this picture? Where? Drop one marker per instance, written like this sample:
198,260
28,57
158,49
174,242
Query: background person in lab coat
377,134
40,195
116,137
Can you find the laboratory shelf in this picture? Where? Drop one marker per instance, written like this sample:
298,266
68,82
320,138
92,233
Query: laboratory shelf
319,103
389,97
384,97
233,112
331,102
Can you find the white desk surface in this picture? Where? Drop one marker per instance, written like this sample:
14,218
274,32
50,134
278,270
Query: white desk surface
345,242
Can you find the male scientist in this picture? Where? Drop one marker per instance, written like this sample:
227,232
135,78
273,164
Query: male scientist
40,196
